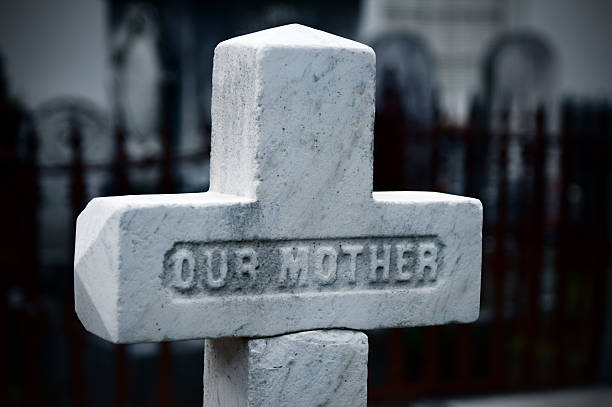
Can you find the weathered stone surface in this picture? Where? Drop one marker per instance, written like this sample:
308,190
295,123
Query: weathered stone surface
313,368
290,236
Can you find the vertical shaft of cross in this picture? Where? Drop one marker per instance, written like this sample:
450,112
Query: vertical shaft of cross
292,117
311,368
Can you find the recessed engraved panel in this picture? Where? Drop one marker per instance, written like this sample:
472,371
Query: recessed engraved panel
270,267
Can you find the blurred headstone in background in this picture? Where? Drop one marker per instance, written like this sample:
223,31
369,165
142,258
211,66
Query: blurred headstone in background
456,32
404,112
404,66
519,83
56,122
519,78
137,78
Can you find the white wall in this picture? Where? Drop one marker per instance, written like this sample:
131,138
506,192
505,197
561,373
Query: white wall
579,30
456,31
54,48
581,33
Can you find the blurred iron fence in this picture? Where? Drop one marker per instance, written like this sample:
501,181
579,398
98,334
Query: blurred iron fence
546,252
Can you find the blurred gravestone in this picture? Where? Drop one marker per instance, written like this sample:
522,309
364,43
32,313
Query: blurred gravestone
520,76
404,66
404,112
520,79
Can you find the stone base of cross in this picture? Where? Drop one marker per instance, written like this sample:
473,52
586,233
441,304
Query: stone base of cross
311,368
290,247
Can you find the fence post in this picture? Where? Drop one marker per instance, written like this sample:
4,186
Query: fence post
32,320
498,346
532,252
597,253
563,258
77,197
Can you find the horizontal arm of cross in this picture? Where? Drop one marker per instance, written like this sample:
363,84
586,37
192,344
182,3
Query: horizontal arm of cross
130,287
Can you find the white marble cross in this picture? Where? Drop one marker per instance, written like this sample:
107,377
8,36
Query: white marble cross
290,236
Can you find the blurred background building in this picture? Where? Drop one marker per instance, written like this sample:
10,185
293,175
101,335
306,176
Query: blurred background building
504,100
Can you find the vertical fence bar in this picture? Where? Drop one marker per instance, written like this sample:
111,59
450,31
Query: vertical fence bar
563,249
597,253
8,162
32,322
431,344
165,375
465,352
120,165
533,252
435,156
122,394
166,184
431,335
470,137
77,202
396,357
498,345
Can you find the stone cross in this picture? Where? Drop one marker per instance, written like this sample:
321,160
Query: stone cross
290,237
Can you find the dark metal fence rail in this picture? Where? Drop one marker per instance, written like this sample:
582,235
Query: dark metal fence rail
527,337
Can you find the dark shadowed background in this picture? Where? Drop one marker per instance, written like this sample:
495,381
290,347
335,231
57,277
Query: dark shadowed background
506,101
